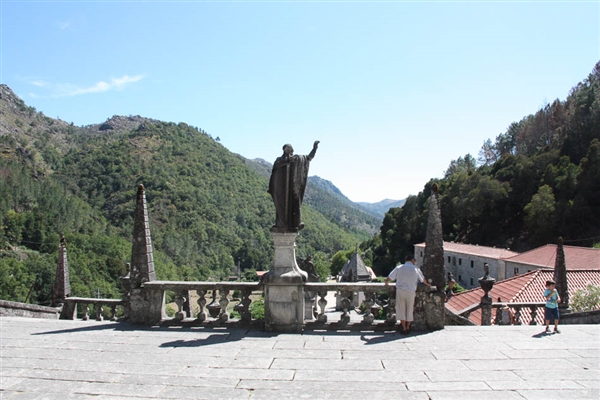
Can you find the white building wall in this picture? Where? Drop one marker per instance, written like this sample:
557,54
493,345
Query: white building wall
466,268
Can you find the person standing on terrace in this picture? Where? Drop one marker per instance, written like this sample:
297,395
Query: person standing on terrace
551,309
407,276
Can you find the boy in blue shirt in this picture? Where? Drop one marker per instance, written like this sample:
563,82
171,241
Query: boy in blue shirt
551,295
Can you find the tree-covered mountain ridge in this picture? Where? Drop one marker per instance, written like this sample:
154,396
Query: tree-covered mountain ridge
537,181
209,208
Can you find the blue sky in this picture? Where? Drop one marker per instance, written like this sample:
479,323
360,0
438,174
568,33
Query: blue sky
393,90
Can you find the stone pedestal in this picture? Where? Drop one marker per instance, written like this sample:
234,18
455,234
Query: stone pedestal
486,310
284,284
146,307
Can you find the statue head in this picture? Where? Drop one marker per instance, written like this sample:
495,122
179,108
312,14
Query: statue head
288,149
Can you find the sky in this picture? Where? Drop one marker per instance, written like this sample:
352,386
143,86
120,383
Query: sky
393,90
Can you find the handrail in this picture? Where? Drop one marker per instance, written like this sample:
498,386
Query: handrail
69,310
197,285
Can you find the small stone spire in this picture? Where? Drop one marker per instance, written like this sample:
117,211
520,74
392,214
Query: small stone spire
62,285
433,260
142,258
560,273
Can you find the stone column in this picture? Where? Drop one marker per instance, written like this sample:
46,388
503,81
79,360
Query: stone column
142,258
560,277
433,263
145,307
62,285
284,287
486,284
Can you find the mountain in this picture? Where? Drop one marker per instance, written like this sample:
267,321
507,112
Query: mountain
325,197
380,208
209,208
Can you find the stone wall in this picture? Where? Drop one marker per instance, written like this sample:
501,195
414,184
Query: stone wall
429,311
588,317
14,309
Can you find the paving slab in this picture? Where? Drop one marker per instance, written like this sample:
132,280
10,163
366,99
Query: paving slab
55,359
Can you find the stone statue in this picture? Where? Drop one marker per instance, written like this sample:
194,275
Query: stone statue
287,185
307,266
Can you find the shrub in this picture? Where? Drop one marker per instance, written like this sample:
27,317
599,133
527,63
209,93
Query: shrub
257,309
587,299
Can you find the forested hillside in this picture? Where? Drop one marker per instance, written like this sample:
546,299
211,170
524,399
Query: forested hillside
535,182
208,209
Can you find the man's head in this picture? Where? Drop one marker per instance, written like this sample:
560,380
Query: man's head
550,284
410,258
288,149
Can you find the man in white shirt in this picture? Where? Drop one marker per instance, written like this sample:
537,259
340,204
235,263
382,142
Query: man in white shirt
407,276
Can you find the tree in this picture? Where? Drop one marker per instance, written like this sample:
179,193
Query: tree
539,215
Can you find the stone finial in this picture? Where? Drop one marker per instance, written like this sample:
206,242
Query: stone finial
560,273
62,285
433,261
142,258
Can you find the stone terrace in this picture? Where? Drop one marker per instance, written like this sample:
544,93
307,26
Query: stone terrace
59,359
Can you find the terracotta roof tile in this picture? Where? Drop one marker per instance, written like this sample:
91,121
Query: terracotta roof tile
525,288
476,250
545,257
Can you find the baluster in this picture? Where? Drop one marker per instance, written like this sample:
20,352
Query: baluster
534,311
86,310
180,300
224,302
498,320
201,303
322,304
518,316
113,312
391,312
368,303
244,306
345,317
99,312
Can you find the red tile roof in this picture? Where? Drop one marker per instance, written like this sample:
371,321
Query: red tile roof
575,257
476,250
525,288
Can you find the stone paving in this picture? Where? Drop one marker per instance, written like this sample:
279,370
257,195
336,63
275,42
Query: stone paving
53,359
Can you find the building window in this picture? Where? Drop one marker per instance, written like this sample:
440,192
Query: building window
421,254
472,263
449,259
471,281
460,261
516,271
460,278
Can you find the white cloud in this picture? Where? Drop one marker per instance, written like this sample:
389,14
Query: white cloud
38,83
99,87
64,25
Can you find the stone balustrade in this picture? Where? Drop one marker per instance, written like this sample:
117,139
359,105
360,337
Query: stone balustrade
69,309
509,313
515,312
347,291
213,301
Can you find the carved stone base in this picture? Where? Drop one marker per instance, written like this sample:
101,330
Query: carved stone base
146,306
284,298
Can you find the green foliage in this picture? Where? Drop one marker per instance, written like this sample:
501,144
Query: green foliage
257,309
587,299
208,210
539,180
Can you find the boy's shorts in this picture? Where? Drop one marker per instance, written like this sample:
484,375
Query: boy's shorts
551,313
